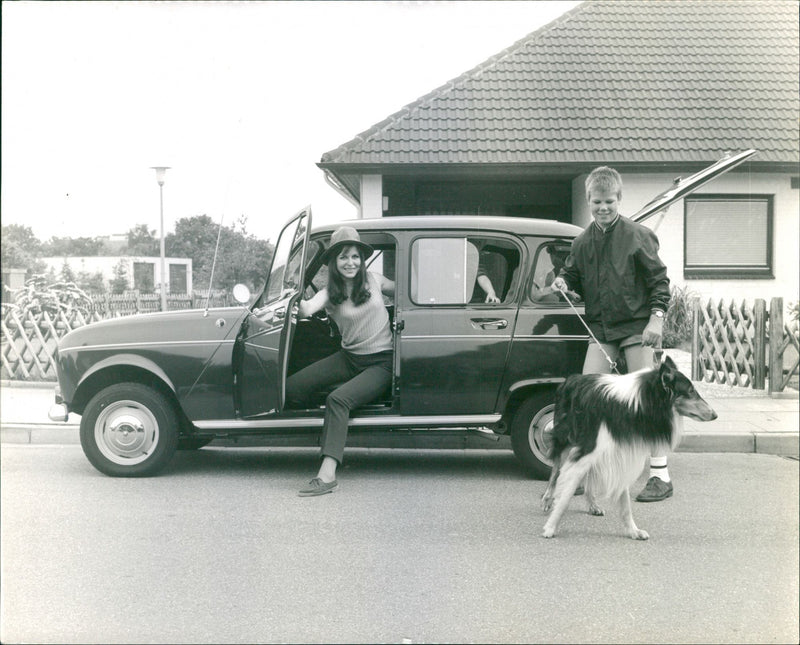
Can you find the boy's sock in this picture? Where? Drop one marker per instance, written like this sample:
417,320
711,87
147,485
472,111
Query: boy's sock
658,468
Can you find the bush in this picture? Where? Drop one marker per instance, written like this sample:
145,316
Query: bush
40,294
678,320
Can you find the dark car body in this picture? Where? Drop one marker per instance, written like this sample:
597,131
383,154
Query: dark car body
458,362
148,384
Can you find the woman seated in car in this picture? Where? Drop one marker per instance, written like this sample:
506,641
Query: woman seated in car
353,299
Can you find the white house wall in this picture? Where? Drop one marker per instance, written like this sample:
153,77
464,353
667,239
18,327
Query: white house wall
371,196
639,189
105,265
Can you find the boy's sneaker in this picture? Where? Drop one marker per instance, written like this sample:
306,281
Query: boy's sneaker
655,490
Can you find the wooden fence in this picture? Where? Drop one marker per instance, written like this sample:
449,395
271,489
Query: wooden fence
28,339
744,346
134,302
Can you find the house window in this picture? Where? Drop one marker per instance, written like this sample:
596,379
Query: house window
728,236
177,278
144,276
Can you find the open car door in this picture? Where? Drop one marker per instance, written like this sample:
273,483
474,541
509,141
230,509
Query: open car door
683,186
263,342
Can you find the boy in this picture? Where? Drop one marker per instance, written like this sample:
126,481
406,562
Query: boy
614,266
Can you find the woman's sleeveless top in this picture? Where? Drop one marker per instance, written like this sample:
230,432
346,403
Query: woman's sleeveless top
364,328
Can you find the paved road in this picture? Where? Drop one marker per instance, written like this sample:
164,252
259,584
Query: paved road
427,546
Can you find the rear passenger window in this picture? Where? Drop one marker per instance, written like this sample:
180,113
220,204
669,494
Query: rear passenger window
461,270
549,264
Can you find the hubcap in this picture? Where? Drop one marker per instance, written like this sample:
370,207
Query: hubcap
540,434
126,432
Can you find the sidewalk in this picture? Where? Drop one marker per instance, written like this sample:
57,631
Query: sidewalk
749,420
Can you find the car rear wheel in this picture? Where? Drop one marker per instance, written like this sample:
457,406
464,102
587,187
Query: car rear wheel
129,430
531,430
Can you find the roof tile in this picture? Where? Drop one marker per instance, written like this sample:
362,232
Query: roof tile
678,80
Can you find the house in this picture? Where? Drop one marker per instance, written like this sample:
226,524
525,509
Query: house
656,89
143,273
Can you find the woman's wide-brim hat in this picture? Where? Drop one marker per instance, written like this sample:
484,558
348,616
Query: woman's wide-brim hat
346,236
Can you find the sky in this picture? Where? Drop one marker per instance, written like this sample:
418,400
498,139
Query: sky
239,99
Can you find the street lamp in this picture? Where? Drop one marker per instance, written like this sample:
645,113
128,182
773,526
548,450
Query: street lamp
161,171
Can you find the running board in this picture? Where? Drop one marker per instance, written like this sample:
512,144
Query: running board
432,421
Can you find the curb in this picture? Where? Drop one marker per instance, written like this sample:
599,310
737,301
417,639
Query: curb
36,385
764,443
40,434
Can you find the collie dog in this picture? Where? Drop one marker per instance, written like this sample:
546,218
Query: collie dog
606,426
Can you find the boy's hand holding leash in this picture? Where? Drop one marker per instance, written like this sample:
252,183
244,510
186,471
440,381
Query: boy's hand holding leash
560,285
651,336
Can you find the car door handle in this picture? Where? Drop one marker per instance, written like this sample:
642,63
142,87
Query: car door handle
280,312
489,323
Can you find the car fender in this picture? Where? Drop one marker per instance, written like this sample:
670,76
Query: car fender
127,361
521,389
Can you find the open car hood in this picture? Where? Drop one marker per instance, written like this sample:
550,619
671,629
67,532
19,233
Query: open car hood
681,187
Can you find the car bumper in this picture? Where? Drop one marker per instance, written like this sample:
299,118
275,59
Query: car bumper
59,411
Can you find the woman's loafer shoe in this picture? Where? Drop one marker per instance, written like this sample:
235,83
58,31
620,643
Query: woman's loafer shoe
318,487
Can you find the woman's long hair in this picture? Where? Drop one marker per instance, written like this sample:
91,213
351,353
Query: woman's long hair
336,289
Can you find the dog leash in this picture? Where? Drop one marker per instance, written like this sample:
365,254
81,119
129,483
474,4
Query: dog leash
658,352
612,363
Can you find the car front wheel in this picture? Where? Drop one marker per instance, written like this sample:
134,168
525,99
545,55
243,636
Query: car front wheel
531,430
129,430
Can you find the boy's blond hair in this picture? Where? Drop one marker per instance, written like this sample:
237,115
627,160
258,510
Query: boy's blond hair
604,178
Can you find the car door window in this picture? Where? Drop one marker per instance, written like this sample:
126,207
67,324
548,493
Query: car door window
287,263
449,270
548,265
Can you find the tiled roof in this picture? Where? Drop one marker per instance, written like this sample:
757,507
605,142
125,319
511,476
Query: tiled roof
633,81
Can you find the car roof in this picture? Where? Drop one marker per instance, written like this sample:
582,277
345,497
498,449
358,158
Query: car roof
516,225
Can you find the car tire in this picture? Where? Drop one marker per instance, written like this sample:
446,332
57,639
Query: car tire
129,430
530,434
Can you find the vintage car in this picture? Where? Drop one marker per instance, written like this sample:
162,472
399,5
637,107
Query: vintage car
149,384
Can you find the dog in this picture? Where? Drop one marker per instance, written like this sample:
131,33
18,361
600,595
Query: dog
605,426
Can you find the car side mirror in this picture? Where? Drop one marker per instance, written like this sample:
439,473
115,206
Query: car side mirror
241,294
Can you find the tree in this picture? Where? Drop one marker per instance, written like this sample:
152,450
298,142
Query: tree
119,283
67,274
21,249
241,257
73,246
143,242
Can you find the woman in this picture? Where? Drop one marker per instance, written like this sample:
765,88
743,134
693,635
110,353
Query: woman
353,298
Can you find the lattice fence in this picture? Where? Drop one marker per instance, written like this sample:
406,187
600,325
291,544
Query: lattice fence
29,341
733,344
29,338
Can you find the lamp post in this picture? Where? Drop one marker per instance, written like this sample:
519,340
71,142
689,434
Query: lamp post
161,171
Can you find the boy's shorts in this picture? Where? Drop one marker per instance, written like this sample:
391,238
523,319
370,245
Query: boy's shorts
637,356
